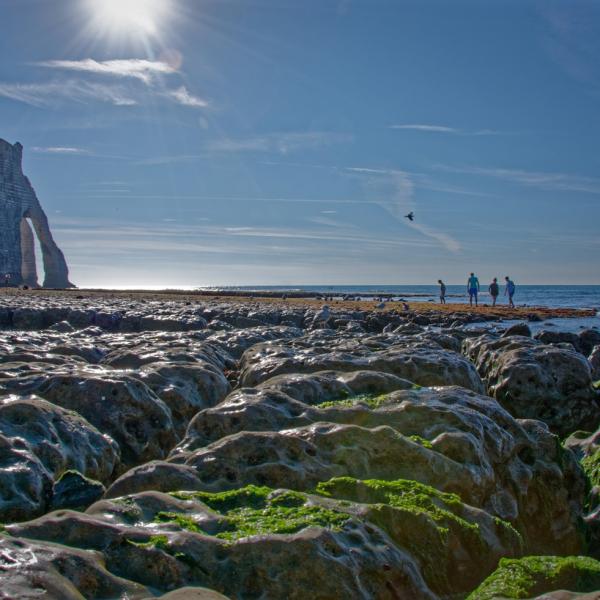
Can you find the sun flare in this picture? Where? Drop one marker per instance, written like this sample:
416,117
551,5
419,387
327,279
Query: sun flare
129,17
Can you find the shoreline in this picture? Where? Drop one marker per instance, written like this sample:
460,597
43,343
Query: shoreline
499,312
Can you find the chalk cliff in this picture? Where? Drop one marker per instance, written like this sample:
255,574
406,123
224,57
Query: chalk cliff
18,207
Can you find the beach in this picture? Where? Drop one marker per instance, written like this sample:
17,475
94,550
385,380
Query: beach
304,299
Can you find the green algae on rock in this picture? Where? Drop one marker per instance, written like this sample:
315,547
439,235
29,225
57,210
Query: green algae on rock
419,519
404,494
421,440
369,399
533,575
428,523
156,541
451,545
591,466
259,511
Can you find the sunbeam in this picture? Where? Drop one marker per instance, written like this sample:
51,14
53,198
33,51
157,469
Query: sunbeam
143,18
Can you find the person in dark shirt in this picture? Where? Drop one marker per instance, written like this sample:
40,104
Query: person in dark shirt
510,290
494,291
442,291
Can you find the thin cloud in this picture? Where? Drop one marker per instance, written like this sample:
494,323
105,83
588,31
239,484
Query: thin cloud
398,188
56,92
143,70
431,128
60,150
169,160
282,143
443,238
419,180
569,39
257,144
372,171
446,129
542,180
183,96
118,238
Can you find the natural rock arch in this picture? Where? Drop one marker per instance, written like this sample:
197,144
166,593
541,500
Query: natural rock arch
18,206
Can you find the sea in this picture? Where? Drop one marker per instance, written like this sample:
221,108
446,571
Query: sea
552,296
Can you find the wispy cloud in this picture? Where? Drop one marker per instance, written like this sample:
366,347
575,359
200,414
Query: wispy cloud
56,92
370,171
421,180
282,143
60,150
143,70
120,238
257,144
432,128
169,160
445,129
542,180
88,90
397,188
182,96
570,39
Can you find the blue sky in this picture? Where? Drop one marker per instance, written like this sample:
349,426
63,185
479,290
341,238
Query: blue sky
205,142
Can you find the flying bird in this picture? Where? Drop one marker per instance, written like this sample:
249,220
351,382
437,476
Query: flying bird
410,216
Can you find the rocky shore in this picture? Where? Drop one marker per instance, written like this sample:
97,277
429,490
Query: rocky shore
189,446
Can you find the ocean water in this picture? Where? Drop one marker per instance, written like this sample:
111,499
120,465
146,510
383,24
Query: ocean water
564,296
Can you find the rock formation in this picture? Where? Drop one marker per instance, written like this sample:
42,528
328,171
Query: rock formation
19,205
216,450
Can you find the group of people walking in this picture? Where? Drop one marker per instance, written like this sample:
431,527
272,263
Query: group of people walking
473,289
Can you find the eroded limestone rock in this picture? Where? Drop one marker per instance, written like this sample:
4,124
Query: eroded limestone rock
386,475
18,203
449,438
114,402
185,388
538,381
357,539
31,569
423,363
39,442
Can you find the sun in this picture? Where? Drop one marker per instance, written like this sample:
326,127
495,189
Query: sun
129,17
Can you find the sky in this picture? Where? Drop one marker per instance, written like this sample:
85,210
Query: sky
281,142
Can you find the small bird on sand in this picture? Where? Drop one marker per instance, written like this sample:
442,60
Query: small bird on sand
410,216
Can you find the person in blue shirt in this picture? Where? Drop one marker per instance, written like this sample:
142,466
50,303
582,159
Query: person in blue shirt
473,288
510,291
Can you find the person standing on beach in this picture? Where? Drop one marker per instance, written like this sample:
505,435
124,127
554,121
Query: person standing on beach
494,290
442,291
473,288
510,291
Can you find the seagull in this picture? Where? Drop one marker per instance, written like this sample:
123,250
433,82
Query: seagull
410,216
323,314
